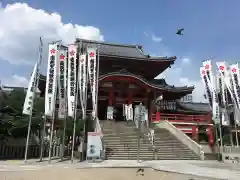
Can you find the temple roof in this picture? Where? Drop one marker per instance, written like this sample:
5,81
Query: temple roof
200,107
159,84
114,57
123,51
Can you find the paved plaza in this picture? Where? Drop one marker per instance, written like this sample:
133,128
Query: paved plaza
115,169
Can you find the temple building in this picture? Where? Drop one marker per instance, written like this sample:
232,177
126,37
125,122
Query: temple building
127,76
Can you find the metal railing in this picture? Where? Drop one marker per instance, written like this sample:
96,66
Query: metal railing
183,117
11,151
230,149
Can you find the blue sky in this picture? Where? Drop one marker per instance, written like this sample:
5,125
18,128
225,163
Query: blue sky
211,27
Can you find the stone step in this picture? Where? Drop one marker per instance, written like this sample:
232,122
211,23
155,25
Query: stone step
148,150
144,158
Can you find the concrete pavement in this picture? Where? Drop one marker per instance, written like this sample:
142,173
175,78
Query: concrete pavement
210,169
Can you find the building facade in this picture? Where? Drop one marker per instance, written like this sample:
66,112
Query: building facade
126,76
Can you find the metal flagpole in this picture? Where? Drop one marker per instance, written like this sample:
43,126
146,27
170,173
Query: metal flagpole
139,131
51,138
84,154
220,134
42,138
97,78
34,93
53,120
235,123
28,136
64,134
227,112
65,117
75,118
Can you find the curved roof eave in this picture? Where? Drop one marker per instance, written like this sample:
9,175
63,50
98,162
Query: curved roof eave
152,85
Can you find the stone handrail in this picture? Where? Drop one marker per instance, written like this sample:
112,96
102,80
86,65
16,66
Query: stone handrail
181,136
98,128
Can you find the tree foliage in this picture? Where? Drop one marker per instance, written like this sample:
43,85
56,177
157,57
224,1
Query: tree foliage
14,123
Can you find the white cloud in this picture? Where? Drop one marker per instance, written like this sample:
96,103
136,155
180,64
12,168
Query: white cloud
170,75
16,81
21,27
153,37
185,60
156,38
146,34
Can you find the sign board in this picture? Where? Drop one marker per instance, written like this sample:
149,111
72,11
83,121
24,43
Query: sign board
94,146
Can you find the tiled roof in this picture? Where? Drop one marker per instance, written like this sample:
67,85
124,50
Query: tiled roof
201,107
123,51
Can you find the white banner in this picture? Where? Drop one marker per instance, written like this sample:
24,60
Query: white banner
206,83
62,82
224,82
51,81
234,70
222,92
33,84
225,74
72,81
29,99
82,79
92,71
212,84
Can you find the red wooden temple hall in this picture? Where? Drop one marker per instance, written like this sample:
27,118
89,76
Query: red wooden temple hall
126,76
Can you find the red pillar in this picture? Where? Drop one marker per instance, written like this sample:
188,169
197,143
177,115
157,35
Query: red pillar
210,136
129,98
195,133
110,96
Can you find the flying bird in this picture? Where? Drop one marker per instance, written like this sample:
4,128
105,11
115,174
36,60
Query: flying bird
180,31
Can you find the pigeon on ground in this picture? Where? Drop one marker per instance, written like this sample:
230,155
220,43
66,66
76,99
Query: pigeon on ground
140,170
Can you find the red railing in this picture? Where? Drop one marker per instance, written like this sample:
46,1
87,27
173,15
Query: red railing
183,118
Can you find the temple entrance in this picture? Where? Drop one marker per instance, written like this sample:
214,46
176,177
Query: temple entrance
102,109
118,114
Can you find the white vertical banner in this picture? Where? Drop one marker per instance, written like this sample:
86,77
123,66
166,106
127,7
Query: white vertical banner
212,83
82,79
92,72
222,93
33,84
51,81
29,99
225,74
234,70
206,83
72,80
62,82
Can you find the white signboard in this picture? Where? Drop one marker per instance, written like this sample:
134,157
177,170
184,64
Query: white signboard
94,146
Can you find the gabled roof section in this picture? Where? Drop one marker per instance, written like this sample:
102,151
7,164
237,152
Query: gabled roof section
123,51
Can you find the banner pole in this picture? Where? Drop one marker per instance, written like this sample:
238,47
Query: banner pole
36,82
54,112
51,138
42,138
75,119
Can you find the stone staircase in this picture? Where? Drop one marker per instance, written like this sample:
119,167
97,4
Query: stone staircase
121,142
170,148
